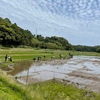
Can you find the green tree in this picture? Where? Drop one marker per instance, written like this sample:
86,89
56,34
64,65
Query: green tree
98,50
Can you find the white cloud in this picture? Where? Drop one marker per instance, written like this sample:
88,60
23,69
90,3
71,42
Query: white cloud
74,20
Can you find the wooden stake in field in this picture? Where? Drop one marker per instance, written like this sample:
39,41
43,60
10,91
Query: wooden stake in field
27,76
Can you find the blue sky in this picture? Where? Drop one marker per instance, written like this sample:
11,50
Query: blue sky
76,20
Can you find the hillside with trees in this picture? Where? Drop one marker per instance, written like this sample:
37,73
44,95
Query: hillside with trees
13,35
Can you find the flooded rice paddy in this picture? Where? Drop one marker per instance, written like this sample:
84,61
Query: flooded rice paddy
82,71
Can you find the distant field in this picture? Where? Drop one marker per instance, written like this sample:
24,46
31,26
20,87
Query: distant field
19,54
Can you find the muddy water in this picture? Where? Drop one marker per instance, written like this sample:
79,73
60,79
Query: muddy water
82,71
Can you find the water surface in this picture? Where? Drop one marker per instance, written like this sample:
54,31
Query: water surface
83,70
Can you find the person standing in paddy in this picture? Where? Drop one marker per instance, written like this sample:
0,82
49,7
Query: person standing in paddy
6,58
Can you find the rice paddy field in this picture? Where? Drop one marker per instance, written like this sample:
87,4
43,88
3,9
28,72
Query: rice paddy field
19,54
10,89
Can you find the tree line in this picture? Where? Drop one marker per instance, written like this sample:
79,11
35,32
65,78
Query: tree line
13,35
86,48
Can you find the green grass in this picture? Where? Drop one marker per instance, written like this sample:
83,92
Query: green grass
10,90
77,53
19,54
53,90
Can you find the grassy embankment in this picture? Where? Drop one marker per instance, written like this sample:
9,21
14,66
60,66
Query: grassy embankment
50,90
11,90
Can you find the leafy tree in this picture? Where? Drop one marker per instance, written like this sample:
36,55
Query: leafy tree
8,21
40,37
98,49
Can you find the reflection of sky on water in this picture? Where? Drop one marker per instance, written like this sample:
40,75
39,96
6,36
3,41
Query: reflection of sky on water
94,68
47,71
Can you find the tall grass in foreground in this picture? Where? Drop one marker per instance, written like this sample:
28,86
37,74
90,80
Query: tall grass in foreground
54,90
10,90
49,90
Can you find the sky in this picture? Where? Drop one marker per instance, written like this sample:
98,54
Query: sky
78,21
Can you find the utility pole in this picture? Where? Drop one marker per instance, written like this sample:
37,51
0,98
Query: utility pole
36,32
